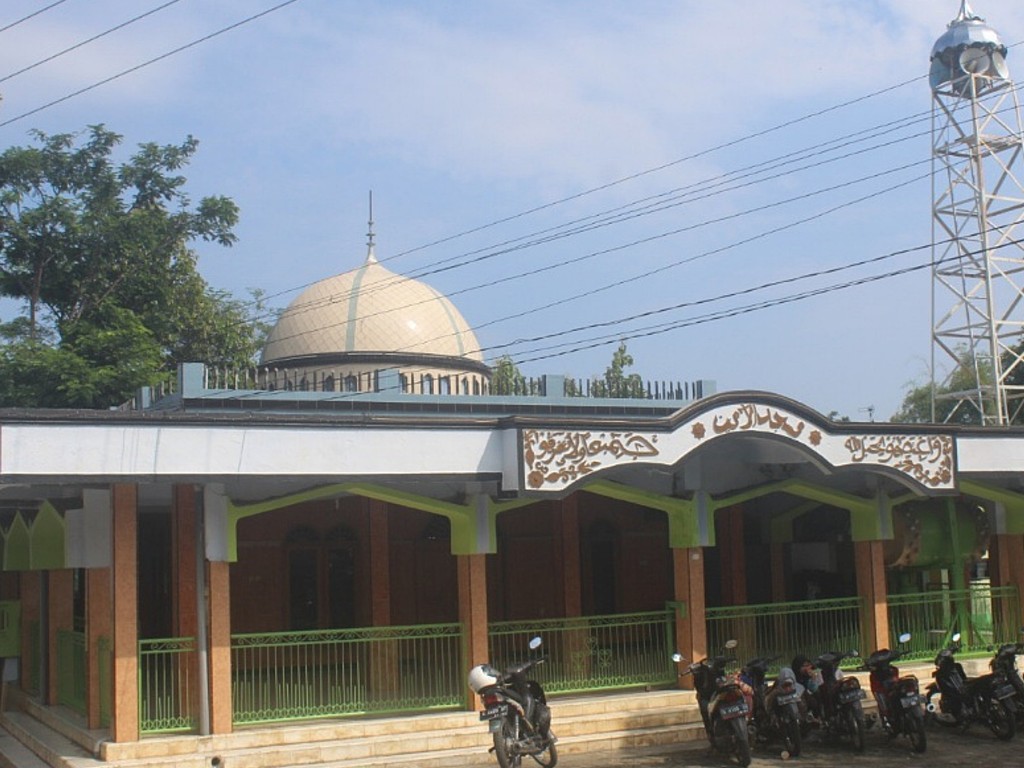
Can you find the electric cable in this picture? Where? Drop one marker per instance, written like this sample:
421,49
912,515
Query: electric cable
76,46
154,60
32,15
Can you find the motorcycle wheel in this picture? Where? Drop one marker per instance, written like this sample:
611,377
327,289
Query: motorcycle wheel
742,742
549,755
855,725
505,745
794,737
1001,720
915,731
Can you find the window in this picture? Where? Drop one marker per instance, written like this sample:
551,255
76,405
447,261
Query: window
427,384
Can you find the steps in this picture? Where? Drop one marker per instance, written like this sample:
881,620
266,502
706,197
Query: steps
37,737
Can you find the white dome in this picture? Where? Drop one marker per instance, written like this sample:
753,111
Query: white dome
368,312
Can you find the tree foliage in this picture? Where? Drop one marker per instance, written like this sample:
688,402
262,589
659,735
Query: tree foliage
506,378
917,402
97,253
616,382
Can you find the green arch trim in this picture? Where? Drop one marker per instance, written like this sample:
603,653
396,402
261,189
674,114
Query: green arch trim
691,520
473,524
18,546
37,546
48,535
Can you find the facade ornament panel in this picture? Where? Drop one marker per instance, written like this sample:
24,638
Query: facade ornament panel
554,459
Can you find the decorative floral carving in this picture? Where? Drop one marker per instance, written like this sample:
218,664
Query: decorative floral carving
926,458
562,456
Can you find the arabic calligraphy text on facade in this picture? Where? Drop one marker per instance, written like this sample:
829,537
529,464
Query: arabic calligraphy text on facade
926,458
563,456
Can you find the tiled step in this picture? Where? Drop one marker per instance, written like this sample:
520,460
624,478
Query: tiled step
51,747
583,723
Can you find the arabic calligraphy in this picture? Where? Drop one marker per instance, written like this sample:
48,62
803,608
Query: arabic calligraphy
562,456
926,458
749,416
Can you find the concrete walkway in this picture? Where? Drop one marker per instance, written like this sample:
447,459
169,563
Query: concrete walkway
977,748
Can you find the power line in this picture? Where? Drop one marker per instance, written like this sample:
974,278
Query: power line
652,238
86,42
32,15
154,60
709,187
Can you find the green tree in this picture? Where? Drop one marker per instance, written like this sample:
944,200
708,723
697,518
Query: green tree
506,378
98,254
616,382
917,402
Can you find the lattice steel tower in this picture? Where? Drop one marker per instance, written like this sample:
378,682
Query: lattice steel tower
977,216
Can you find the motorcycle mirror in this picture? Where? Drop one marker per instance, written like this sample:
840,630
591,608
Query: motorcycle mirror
677,657
535,643
956,637
730,644
905,637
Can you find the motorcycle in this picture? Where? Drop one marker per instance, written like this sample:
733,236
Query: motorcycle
963,700
840,697
516,711
1005,663
723,706
776,709
898,697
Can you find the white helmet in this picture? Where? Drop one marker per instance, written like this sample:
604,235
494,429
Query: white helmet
482,676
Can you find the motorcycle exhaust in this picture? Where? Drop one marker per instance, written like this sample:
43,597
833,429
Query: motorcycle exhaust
930,706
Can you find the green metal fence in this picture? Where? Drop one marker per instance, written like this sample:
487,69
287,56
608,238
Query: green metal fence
592,652
984,616
71,670
167,685
785,629
298,675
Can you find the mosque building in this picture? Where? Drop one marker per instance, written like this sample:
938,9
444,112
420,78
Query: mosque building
353,529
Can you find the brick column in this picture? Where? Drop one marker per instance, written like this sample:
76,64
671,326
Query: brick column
60,611
124,724
473,614
730,543
219,628
572,589
30,651
98,622
1006,558
384,672
691,626
871,589
183,557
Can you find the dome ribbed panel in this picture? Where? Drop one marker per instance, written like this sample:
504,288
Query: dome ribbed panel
370,310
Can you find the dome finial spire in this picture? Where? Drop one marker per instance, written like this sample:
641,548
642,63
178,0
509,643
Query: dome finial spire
966,14
371,256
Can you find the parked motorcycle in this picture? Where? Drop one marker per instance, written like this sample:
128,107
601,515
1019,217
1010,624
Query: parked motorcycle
776,708
898,697
723,707
1005,663
840,697
516,711
963,700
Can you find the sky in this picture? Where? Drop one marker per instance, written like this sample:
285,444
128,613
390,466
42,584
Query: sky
699,179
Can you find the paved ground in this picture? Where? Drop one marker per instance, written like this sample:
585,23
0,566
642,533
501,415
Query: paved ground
977,748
